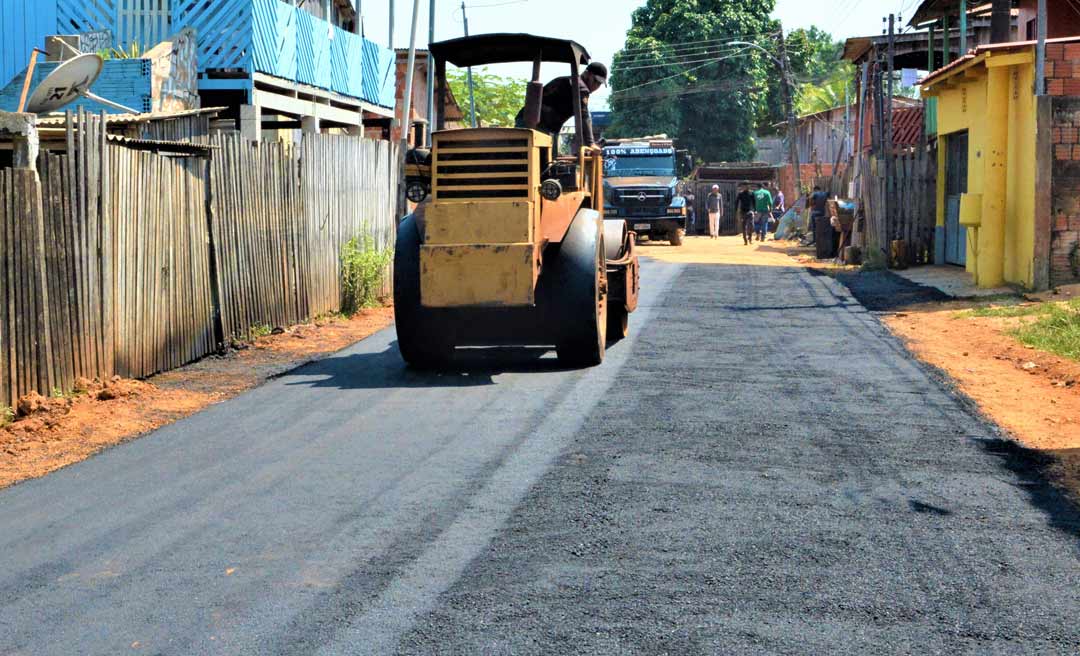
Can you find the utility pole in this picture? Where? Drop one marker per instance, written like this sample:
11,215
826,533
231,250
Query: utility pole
793,125
888,136
406,127
431,75
468,73
1040,50
963,27
390,39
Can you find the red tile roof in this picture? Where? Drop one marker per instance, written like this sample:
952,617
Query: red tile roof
908,126
993,47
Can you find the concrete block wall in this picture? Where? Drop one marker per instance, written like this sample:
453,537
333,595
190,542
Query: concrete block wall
1065,192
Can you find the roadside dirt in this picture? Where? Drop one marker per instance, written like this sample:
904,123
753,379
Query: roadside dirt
1032,394
55,433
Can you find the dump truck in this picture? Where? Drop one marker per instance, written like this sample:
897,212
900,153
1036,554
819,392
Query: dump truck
511,248
641,178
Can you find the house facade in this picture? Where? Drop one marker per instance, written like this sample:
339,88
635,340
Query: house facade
1009,164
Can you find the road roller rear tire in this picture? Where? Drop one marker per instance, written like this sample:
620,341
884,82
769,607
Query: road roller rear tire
583,269
421,340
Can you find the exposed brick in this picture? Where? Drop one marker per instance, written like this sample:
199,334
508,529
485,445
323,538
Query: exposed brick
1074,223
1063,70
1071,87
1062,152
1056,135
1072,51
1055,87
1061,222
1070,135
1076,152
1055,51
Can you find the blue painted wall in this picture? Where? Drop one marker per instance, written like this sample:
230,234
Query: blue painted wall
23,27
124,81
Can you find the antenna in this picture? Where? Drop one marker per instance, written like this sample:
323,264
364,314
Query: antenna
70,81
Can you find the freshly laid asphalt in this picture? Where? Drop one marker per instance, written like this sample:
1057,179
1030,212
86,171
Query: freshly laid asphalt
760,468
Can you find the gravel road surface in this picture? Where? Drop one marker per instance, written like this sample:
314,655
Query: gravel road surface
761,468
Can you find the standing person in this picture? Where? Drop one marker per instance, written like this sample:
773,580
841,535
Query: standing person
744,206
763,205
779,202
715,206
691,212
819,201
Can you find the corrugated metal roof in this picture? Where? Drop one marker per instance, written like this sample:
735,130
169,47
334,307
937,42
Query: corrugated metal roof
53,120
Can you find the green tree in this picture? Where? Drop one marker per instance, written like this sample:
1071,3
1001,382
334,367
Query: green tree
706,96
816,71
498,99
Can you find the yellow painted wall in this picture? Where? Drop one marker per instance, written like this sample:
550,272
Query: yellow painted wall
995,253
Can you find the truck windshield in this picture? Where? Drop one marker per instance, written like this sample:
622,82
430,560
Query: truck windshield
621,166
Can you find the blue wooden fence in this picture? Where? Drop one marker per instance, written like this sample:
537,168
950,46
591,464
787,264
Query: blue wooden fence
264,36
124,81
23,26
275,38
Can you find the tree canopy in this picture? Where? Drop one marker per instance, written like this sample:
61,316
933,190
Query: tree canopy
679,74
682,72
498,99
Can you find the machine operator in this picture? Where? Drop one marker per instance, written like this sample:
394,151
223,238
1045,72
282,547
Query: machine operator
558,104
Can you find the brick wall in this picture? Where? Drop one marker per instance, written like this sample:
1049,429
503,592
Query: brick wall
1063,69
1065,192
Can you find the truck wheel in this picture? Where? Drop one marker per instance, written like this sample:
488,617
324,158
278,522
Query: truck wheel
579,274
677,237
422,344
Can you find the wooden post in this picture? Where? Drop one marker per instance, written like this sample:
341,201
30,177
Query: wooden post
29,79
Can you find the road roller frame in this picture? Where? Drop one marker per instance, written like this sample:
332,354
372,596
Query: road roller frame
511,247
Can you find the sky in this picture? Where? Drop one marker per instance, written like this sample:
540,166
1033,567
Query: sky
599,25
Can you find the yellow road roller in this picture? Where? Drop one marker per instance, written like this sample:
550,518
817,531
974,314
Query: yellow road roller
511,247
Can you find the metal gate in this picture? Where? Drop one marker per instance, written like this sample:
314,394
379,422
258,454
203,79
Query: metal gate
956,171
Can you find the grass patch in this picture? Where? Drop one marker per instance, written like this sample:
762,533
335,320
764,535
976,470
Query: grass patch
261,330
1057,330
363,270
7,415
1011,306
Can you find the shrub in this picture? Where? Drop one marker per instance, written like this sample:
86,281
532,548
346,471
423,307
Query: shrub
363,270
7,415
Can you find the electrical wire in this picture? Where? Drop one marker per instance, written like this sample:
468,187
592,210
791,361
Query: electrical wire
689,70
726,39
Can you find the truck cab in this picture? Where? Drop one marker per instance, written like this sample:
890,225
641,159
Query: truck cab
641,180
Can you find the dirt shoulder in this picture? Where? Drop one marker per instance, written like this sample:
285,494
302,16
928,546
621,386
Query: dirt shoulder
1033,394
62,431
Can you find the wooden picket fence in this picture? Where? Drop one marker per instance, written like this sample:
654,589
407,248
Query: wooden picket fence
121,261
912,193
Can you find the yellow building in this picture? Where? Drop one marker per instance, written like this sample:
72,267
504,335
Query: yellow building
987,130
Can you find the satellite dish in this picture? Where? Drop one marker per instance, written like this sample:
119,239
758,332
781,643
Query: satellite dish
69,82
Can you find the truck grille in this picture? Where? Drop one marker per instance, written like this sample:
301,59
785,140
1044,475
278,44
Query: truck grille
641,198
477,169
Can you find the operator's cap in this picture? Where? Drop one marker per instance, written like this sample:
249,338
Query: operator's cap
598,70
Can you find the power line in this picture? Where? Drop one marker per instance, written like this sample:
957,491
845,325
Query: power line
689,70
689,54
621,68
686,44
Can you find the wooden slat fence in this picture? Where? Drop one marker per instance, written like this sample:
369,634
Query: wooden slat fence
344,183
259,235
912,190
121,261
